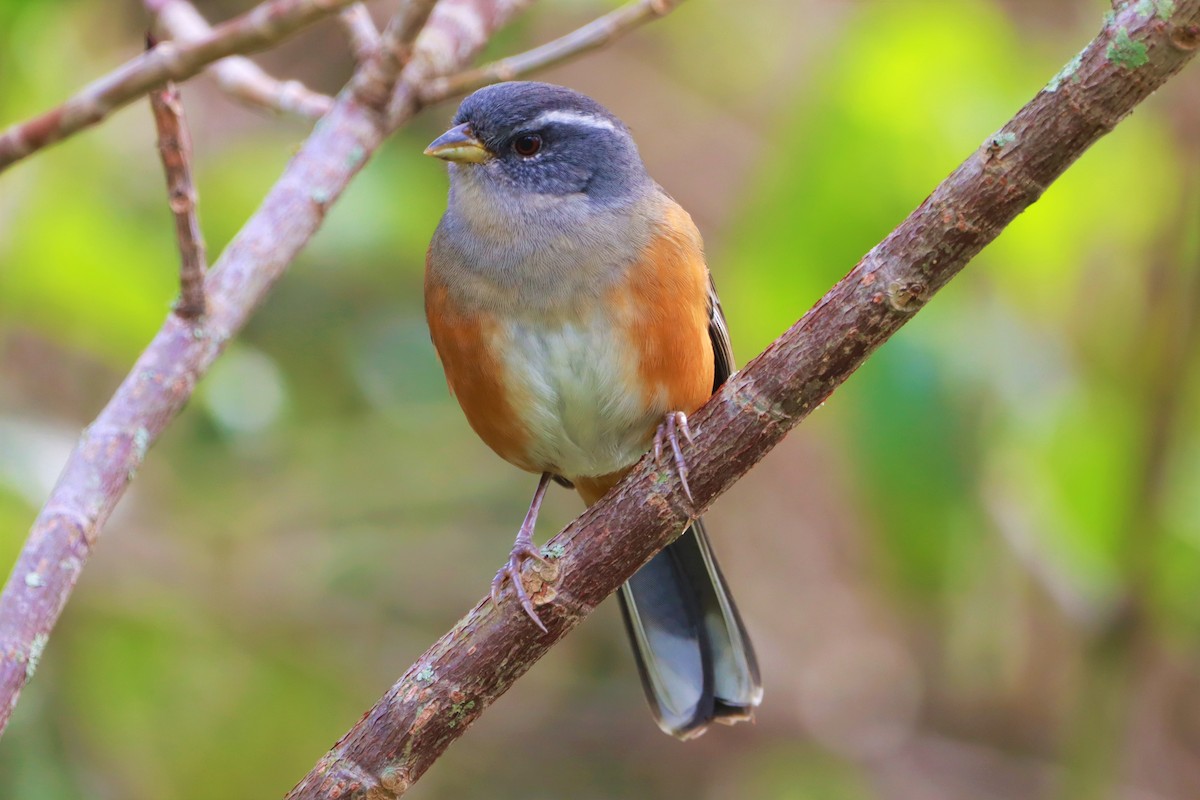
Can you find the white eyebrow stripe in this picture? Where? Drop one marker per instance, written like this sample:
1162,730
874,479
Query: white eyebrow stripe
573,118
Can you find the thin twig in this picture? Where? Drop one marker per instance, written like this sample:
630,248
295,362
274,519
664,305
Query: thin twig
449,686
157,388
596,33
175,149
374,82
238,76
361,30
262,26
402,29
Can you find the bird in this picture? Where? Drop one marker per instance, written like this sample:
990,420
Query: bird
570,304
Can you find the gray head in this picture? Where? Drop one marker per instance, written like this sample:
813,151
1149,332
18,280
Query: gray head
523,138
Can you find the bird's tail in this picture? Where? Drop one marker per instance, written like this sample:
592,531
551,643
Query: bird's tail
694,656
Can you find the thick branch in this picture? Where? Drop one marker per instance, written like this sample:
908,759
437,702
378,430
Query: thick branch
260,27
596,33
237,75
162,380
175,150
456,679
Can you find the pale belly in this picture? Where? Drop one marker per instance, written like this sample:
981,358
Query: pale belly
576,389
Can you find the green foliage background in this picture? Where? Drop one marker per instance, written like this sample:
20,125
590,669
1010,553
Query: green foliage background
972,574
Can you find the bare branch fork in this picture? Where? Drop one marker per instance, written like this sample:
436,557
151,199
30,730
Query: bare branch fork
595,34
451,684
260,27
237,75
373,81
361,30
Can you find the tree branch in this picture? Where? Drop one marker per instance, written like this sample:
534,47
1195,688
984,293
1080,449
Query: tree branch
361,30
260,27
162,380
375,80
449,686
596,33
175,150
238,76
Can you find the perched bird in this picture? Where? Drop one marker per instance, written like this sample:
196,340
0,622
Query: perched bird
572,310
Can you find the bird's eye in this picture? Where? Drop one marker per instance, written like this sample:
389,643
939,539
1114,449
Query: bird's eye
527,145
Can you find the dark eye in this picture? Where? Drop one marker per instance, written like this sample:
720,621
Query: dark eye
527,145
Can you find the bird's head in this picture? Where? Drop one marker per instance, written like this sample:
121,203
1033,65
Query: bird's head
529,139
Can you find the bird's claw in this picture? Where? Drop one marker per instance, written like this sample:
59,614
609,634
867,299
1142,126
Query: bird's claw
523,550
668,431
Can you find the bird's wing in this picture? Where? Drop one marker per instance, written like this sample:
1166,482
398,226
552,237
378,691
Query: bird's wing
723,365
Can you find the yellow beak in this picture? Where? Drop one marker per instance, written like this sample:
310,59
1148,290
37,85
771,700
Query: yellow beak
460,145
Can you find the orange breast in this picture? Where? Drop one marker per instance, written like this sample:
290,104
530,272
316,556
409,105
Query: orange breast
474,373
663,310
665,305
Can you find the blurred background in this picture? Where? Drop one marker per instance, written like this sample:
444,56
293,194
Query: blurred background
972,574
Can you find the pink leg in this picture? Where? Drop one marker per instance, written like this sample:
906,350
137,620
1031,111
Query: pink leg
523,549
668,430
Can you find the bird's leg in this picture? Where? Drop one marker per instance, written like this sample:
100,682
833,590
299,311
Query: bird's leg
668,431
523,550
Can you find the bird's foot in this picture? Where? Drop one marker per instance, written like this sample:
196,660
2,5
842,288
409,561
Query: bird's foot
523,550
668,432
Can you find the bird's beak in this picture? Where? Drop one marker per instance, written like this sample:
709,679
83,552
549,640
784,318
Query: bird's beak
459,145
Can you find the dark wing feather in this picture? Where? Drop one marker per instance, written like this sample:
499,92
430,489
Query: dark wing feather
719,334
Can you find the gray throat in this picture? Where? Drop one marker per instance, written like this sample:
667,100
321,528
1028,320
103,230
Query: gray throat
536,254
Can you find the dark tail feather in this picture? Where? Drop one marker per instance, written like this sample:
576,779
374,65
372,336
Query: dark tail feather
694,656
